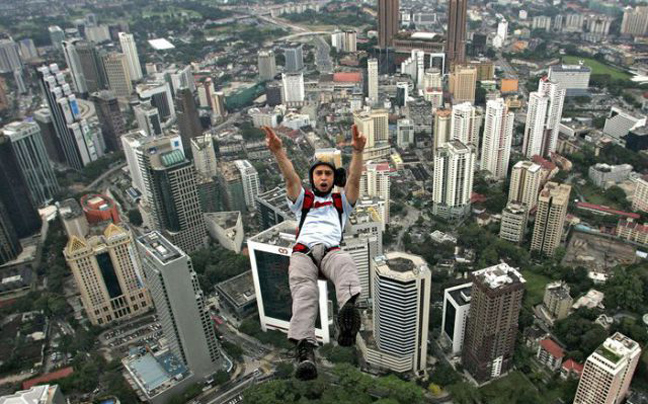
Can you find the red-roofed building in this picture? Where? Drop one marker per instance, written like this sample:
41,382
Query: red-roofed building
347,77
48,377
630,230
549,169
550,354
605,210
571,368
477,198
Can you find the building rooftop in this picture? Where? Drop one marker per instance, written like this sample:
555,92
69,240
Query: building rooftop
461,294
48,377
276,198
155,373
70,209
498,276
399,265
160,247
606,210
226,220
559,289
281,235
35,395
239,289
616,347
553,348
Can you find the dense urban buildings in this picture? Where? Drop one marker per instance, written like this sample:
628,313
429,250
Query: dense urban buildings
543,118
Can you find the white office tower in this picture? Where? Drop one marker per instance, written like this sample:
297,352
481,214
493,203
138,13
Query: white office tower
543,119
375,182
180,304
131,141
404,133
337,40
180,77
432,79
293,87
502,30
401,307
57,36
204,155
635,21
456,304
270,253
608,371
118,74
526,178
267,65
10,60
465,123
350,40
496,143
148,119
80,143
414,66
372,80
573,78
129,48
206,92
454,164
250,181
442,121
514,222
158,93
74,65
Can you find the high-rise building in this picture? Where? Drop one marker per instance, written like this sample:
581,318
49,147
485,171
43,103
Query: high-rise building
159,95
402,94
267,65
74,65
543,119
270,253
131,143
107,274
388,14
170,182
272,208
374,124
640,198
573,78
454,163
9,56
43,117
188,118
294,56
118,74
127,42
180,304
29,149
350,40
491,329
180,77
526,178
463,83
401,306
10,246
57,36
372,80
250,180
635,21
514,222
541,22
496,142
219,109
293,87
27,49
456,305
73,132
375,182
432,78
42,394
557,300
205,93
110,117
90,59
404,133
465,123
550,217
231,187
204,155
456,41
608,371
148,119
442,123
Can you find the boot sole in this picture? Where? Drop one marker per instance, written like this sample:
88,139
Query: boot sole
306,370
349,324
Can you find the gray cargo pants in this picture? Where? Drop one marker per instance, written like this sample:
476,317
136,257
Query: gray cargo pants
303,273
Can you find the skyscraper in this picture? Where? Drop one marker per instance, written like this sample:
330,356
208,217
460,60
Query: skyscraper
294,56
388,15
608,371
550,217
170,182
463,83
107,274
127,42
514,222
442,123
204,155
72,130
491,329
43,117
10,246
373,124
159,95
9,56
92,65
188,119
456,41
456,305
640,198
118,74
29,149
250,180
543,119
372,80
267,65
180,304
496,143
454,163
74,65
465,123
375,182
401,306
526,178
57,35
110,117
148,119
635,21
404,133
293,87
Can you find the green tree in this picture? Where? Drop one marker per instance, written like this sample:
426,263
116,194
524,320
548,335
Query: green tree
135,217
624,290
464,393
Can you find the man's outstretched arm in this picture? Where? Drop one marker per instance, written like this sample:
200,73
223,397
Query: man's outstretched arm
293,182
352,189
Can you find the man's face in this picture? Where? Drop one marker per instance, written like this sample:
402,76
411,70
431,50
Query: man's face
323,178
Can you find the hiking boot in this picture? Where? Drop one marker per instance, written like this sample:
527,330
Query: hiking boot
306,369
348,320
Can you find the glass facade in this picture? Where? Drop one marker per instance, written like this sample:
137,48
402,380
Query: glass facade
451,314
109,275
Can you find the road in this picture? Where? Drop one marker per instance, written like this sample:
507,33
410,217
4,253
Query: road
412,216
323,56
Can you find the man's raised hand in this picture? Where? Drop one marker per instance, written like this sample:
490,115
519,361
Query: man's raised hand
273,142
359,140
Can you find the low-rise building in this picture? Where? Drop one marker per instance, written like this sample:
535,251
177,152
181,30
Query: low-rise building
237,294
557,300
550,354
628,229
604,175
44,394
226,228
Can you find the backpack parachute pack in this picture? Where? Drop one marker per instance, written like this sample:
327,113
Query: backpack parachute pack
309,201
